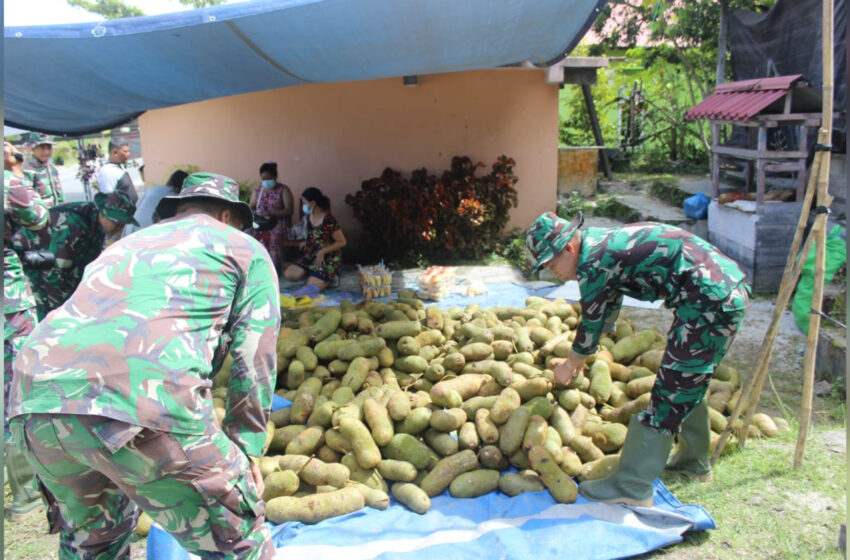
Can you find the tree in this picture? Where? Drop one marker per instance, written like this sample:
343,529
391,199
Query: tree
109,9
112,9
680,32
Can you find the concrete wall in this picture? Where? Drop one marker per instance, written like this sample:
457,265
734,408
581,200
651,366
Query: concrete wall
334,136
759,242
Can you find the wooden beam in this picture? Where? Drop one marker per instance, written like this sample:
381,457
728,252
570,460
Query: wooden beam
579,76
597,131
755,154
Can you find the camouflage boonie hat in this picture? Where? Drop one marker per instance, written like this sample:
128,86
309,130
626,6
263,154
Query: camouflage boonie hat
548,236
116,206
208,185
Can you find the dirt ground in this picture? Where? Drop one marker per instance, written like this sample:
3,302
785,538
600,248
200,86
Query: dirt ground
27,540
786,360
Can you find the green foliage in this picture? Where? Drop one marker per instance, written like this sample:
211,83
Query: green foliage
513,251
113,9
672,70
455,215
246,187
110,9
201,3
64,152
575,204
187,167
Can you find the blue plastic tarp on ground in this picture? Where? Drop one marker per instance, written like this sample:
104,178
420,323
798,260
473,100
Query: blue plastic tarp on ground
530,526
502,293
93,76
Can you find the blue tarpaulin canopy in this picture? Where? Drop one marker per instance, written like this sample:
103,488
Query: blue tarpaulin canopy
81,78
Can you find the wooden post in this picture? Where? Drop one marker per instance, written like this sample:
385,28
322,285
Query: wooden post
715,160
721,42
719,79
824,200
597,131
761,178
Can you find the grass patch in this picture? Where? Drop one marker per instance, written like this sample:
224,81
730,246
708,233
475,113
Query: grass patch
763,507
668,191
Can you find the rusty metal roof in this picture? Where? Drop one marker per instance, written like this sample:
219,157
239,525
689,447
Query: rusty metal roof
740,101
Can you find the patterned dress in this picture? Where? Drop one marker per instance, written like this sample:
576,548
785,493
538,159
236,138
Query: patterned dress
272,199
318,237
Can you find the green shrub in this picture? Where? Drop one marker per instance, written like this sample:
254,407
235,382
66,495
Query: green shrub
456,215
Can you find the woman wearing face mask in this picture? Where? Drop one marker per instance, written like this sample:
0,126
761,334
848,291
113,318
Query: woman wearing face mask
272,200
322,250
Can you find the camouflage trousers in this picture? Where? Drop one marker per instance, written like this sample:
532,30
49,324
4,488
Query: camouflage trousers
99,472
697,341
16,329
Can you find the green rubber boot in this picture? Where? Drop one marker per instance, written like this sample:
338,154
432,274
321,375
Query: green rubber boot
642,460
25,497
692,454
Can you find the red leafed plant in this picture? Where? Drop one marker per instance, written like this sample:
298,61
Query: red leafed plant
458,214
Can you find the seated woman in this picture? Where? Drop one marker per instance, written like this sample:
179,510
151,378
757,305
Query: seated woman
272,200
322,250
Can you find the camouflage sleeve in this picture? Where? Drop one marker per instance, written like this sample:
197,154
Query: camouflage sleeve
255,324
72,235
598,315
58,193
25,206
612,312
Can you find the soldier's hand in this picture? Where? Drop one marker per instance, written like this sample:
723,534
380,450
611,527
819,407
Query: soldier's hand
258,477
567,370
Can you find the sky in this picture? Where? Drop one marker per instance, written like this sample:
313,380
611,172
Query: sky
51,12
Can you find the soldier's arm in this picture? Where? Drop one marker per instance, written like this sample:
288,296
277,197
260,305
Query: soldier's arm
599,279
255,324
598,315
25,205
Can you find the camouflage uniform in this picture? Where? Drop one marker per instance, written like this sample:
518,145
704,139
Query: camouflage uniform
76,238
113,392
22,207
649,261
45,178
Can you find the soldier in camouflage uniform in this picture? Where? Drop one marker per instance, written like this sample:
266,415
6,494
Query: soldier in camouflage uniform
22,207
709,295
113,390
44,175
76,236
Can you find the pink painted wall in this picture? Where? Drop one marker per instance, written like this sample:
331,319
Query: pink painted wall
334,136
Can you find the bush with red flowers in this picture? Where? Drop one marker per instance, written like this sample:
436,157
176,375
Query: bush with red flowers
425,217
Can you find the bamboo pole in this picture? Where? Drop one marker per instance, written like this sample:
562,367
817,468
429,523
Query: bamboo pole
818,181
824,200
750,394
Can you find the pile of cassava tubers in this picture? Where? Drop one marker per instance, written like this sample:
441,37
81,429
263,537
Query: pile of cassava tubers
408,400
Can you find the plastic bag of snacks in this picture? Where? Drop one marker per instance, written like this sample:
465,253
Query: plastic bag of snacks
375,280
436,282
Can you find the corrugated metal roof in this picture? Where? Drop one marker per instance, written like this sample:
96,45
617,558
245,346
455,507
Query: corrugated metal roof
740,101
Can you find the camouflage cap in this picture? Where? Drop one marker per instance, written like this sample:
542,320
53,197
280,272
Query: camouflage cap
40,139
207,185
116,206
548,236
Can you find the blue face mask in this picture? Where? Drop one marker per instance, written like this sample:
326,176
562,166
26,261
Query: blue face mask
268,183
306,209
